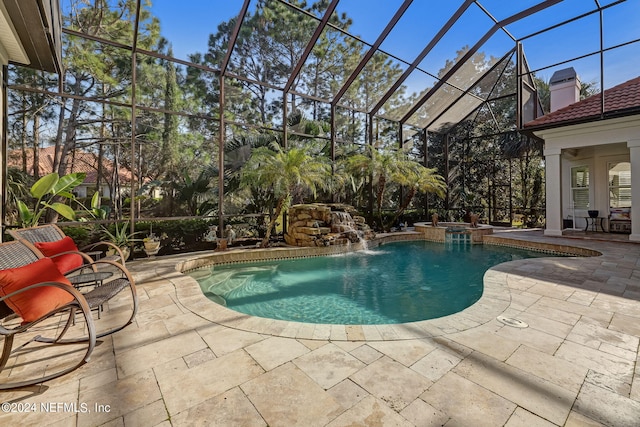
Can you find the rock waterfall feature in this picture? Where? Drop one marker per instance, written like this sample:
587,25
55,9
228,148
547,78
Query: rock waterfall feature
325,224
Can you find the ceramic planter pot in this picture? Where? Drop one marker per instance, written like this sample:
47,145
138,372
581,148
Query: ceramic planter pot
126,252
151,247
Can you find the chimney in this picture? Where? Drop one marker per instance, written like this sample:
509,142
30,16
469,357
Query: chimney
565,88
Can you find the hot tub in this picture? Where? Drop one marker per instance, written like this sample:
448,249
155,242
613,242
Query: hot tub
439,233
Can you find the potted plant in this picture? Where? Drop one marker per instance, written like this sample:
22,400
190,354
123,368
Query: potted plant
121,238
151,244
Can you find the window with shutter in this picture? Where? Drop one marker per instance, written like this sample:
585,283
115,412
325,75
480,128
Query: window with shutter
580,187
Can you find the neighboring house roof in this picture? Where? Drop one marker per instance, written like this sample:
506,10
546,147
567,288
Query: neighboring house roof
623,99
80,161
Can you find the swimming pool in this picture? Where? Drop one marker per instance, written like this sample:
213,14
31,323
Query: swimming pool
394,283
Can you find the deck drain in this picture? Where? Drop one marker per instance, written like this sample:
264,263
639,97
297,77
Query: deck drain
510,321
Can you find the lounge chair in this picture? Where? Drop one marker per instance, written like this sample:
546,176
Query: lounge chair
39,308
50,240
99,282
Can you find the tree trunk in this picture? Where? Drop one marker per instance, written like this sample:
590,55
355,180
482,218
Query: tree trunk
59,132
69,138
403,207
382,181
272,222
103,132
69,144
24,137
36,145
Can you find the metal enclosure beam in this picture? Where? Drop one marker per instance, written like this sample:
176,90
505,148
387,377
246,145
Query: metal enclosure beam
307,50
422,55
134,103
234,36
474,49
466,92
372,50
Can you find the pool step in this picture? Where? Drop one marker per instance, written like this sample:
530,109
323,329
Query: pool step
215,278
216,298
218,283
235,279
228,285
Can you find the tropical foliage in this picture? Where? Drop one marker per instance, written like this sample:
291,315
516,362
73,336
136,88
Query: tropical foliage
46,192
173,147
386,166
282,172
120,235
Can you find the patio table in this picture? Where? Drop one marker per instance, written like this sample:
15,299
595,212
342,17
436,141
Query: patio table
594,222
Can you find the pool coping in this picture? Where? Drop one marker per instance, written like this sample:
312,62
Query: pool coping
495,299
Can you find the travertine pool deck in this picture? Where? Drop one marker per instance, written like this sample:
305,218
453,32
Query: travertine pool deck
186,361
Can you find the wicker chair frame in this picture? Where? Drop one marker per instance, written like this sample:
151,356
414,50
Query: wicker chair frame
53,233
13,254
118,280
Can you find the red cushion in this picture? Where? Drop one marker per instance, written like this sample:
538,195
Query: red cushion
66,262
35,303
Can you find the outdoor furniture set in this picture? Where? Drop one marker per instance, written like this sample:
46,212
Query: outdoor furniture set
49,291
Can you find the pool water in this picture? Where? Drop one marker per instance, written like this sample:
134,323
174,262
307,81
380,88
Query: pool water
394,283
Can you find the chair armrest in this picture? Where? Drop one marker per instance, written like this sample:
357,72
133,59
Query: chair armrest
123,270
105,243
78,300
94,265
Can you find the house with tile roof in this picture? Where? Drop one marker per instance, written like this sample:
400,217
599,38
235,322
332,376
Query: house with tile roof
82,161
592,157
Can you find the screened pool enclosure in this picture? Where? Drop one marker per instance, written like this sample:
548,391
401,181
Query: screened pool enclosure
163,102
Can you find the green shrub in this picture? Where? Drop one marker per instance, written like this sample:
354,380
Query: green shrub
81,235
178,235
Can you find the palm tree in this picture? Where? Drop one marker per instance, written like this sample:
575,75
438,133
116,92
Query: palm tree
283,172
378,165
415,178
196,194
394,166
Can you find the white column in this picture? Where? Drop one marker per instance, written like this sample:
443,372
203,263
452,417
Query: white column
634,155
553,178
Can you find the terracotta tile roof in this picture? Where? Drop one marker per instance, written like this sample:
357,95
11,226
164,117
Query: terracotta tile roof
625,96
82,162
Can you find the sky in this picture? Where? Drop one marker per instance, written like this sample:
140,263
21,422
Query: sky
188,23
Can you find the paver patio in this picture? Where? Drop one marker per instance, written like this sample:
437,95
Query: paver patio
186,362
